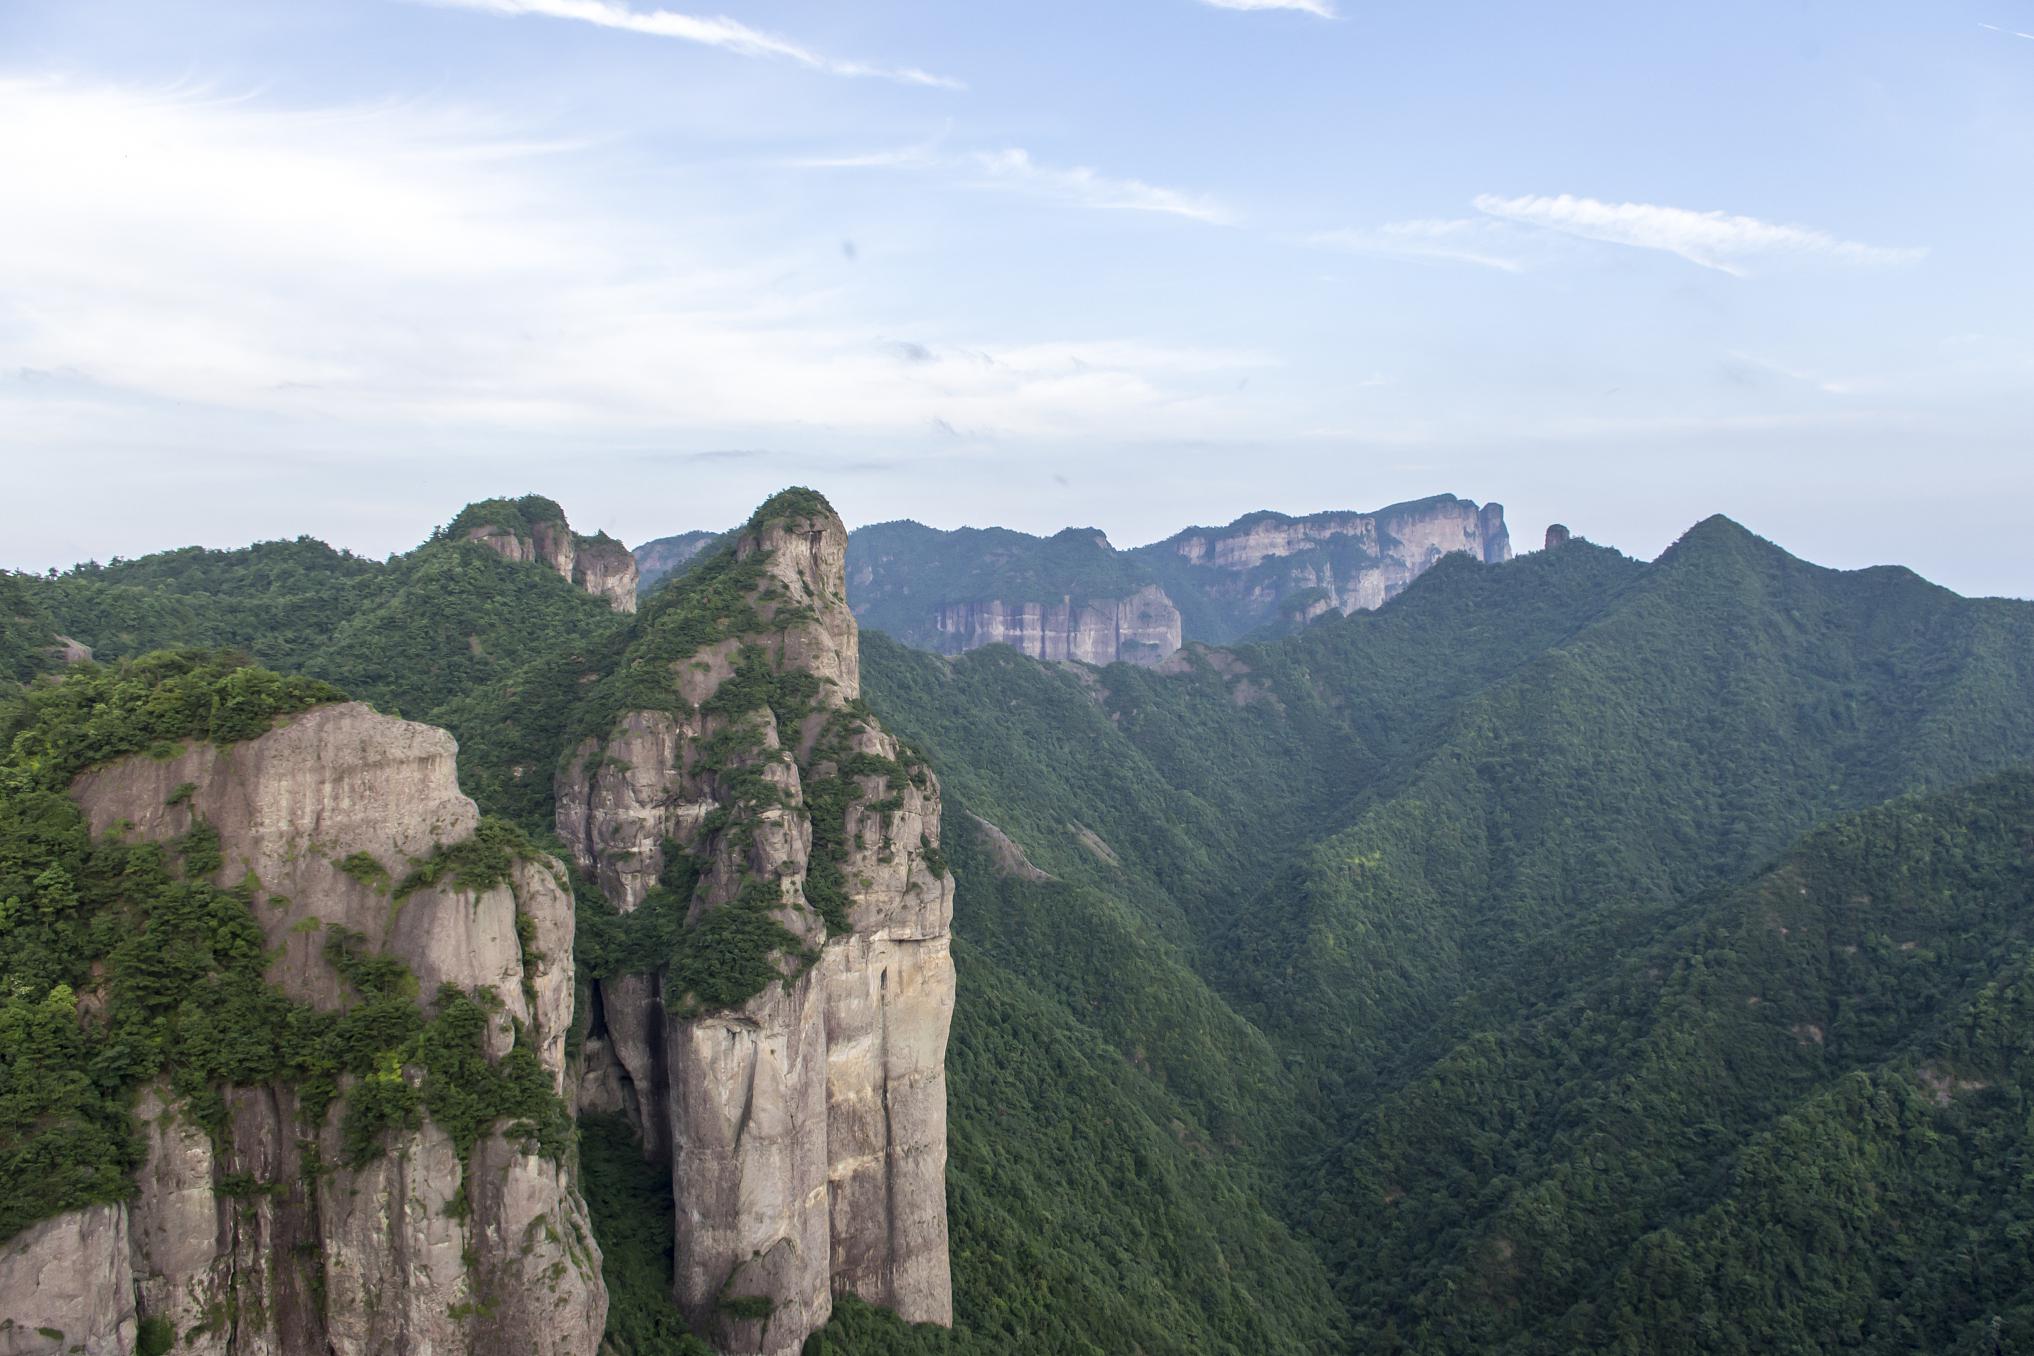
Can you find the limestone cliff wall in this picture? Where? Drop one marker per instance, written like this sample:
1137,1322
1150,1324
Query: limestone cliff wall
806,1126
605,568
599,565
328,1259
1358,560
1141,629
951,592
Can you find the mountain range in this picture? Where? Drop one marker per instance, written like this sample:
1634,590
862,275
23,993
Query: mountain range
1413,947
1075,596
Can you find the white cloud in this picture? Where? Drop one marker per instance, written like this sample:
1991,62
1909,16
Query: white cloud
717,31
1014,169
2009,32
354,276
1088,188
1318,7
1455,240
1715,240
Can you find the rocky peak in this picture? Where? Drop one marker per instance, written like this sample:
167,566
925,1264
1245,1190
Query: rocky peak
1558,535
533,530
801,544
775,987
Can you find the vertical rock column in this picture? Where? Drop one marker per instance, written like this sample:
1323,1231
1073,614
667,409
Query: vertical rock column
805,1125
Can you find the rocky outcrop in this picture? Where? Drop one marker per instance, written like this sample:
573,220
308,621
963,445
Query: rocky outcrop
1141,629
1558,535
598,565
1011,863
266,1240
67,1284
1074,596
804,1120
1343,562
604,568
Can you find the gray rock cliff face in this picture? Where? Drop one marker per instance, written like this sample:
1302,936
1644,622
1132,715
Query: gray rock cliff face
598,565
72,1275
605,568
1344,562
414,1251
1073,596
1141,629
806,1126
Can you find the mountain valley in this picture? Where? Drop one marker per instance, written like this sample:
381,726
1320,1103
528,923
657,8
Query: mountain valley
1329,934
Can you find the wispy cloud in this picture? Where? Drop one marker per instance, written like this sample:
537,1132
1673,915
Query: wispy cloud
1014,169
1318,7
1089,188
1457,240
347,272
1715,240
729,35
2009,32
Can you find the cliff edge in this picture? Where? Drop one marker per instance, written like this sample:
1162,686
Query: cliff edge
774,989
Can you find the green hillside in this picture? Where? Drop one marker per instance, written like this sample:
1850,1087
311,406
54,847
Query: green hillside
899,573
1403,835
1574,954
450,633
1798,1117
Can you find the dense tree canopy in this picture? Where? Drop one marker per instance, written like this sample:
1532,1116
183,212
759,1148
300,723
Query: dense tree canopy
1576,953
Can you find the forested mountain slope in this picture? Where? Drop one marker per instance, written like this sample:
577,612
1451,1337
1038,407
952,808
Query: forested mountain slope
28,638
1073,595
439,634
1797,1117
1389,985
1395,835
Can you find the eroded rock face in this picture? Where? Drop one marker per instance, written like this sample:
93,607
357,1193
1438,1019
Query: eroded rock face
598,565
604,568
1346,562
1141,629
70,1275
805,1126
414,1250
1073,596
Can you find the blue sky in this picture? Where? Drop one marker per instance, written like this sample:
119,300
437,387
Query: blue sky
337,266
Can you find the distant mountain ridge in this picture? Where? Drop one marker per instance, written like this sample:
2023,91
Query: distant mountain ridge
1451,977
657,560
1074,595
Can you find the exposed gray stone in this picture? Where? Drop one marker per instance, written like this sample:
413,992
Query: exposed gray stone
69,1275
413,1251
805,1129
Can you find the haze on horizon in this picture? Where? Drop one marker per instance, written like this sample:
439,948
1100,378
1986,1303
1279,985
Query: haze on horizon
339,267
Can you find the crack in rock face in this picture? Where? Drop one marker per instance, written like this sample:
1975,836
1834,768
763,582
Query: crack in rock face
804,1122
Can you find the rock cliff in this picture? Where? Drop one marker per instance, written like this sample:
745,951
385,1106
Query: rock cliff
1140,629
782,1041
1267,566
533,529
1074,596
257,1229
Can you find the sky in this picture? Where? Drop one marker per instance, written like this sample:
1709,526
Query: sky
337,267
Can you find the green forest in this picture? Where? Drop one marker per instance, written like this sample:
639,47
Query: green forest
1575,954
